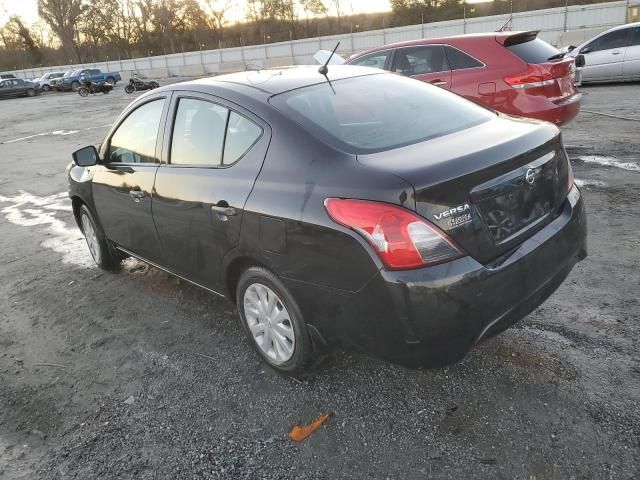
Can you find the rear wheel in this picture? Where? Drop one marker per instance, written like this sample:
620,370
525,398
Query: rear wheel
83,91
154,85
31,92
46,88
129,88
111,81
273,321
103,254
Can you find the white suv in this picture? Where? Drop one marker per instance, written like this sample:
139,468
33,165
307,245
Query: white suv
45,81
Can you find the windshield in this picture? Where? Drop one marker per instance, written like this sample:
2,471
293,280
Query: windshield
378,112
72,73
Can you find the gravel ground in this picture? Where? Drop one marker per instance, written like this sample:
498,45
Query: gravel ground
135,374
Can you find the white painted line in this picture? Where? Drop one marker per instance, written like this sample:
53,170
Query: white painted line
611,162
589,183
54,133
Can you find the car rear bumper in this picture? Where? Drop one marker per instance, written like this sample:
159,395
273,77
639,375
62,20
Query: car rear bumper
559,112
433,316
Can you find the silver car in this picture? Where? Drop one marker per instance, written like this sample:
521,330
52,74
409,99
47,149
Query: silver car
45,81
612,56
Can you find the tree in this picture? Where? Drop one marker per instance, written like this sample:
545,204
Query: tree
63,17
16,26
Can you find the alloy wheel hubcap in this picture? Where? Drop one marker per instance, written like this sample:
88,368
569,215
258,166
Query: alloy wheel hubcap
269,323
91,238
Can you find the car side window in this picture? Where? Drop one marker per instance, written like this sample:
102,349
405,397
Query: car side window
615,39
375,60
635,36
134,141
242,133
459,60
420,60
198,133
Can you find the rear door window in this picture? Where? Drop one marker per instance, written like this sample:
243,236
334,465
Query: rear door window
420,60
459,60
533,51
635,36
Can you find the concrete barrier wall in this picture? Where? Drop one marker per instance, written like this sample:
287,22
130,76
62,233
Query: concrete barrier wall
558,26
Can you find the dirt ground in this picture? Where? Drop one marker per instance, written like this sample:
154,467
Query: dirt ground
135,374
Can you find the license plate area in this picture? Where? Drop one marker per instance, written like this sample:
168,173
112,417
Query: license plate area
517,201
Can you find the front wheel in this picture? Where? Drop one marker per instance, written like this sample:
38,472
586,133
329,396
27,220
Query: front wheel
273,321
129,88
83,91
102,253
46,88
111,81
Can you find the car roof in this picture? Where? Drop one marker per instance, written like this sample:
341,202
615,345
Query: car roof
279,80
620,27
500,37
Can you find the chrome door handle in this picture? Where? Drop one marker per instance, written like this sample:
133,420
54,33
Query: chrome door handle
615,53
224,211
438,83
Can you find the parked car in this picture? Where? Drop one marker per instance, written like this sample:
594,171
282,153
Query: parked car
373,211
612,56
73,80
44,82
56,82
6,75
512,72
16,87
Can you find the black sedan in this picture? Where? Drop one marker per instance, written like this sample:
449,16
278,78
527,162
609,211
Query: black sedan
16,87
361,209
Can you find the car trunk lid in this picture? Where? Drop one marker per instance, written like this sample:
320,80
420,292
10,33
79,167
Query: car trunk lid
489,187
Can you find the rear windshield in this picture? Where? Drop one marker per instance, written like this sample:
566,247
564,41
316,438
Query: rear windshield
373,113
534,51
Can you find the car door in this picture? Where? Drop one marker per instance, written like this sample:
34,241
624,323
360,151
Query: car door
123,181
604,56
5,88
631,66
214,151
427,63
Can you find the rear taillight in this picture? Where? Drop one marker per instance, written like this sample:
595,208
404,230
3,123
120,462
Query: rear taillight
400,238
534,77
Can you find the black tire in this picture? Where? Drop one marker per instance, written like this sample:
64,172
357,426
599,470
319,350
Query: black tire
303,353
154,85
106,257
75,86
111,81
105,91
46,88
83,91
129,88
31,92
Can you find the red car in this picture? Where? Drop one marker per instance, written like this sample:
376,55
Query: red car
513,72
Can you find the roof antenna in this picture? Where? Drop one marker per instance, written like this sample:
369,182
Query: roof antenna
324,69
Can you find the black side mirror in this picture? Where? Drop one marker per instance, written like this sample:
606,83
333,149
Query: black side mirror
86,157
580,61
571,48
586,49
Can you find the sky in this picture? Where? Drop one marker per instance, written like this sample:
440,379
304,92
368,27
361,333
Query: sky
28,10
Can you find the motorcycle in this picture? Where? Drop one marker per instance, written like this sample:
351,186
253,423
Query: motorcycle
89,86
136,84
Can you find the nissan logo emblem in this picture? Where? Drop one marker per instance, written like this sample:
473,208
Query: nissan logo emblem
530,176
